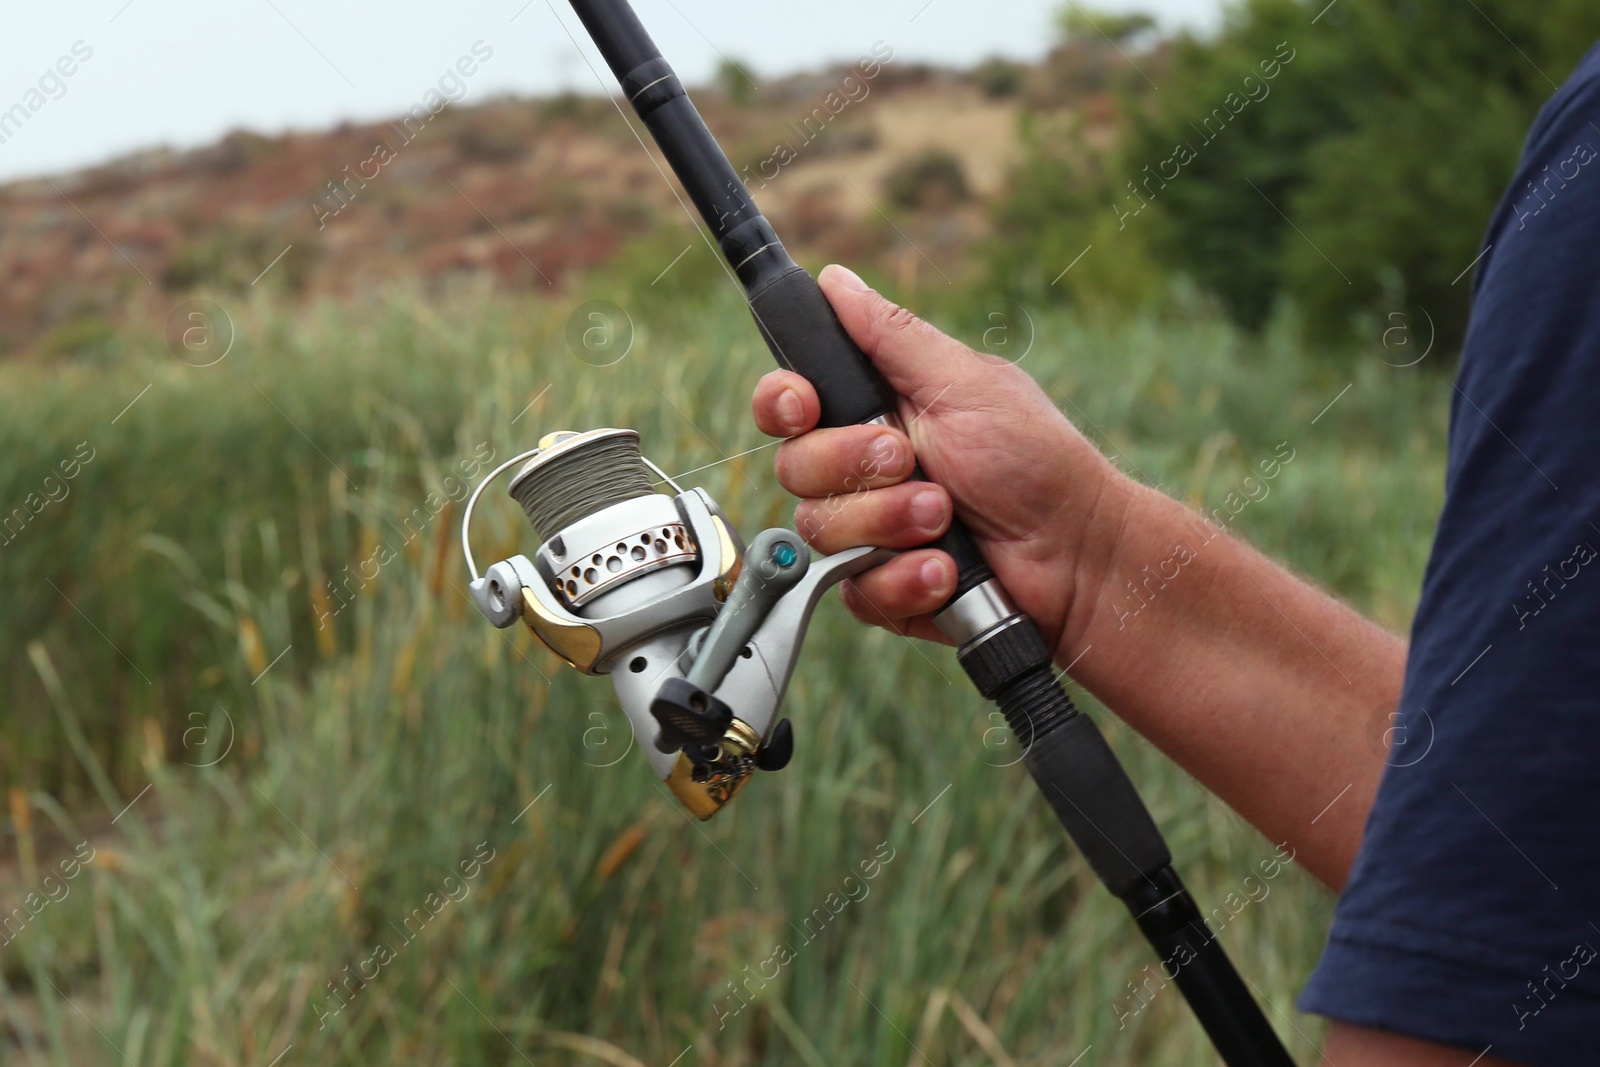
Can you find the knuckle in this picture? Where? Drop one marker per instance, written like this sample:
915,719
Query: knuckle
865,607
789,466
884,458
864,614
816,520
807,523
1011,377
783,463
899,320
891,323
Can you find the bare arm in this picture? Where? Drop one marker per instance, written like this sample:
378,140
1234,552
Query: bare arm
1356,1046
1263,687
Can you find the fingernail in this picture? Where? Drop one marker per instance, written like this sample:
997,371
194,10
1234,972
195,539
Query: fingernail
885,452
791,412
850,279
927,510
933,575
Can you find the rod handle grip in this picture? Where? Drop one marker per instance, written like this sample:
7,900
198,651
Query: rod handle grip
805,336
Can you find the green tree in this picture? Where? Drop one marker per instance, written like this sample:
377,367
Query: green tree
1074,22
1362,182
736,81
1346,158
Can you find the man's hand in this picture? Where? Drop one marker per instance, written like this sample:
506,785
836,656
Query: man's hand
1044,505
1261,686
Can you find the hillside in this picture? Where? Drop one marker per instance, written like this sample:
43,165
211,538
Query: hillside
531,192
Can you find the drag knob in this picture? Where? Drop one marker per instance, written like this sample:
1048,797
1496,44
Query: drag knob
779,749
688,715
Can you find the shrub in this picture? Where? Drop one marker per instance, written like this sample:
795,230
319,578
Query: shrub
999,78
736,82
935,178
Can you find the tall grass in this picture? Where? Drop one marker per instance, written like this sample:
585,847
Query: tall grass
216,923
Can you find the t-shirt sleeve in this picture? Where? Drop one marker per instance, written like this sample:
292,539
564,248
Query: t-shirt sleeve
1471,914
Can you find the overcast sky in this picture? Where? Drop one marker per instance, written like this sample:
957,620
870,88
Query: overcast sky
182,72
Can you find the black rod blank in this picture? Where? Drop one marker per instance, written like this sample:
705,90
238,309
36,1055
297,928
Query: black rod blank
796,320
1067,755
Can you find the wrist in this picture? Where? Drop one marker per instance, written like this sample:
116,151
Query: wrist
1157,562
1120,508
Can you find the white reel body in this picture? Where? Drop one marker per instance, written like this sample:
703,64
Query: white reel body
699,637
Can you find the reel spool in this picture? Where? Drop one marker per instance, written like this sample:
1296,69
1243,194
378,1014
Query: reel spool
589,496
654,591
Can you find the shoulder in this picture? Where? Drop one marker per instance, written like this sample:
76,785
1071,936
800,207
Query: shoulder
1534,335
1561,155
1584,83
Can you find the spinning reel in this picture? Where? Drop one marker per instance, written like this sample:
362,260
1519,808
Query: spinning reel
698,633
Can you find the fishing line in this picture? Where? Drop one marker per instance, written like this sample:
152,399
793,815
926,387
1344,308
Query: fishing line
569,485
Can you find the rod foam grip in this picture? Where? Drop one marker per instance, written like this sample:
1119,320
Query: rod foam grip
805,336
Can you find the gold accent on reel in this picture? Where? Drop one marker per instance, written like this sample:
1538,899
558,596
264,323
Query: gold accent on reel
579,645
705,789
732,561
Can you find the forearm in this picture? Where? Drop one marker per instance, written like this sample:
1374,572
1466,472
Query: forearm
1270,692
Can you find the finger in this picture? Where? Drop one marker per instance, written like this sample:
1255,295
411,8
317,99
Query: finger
849,459
785,404
915,583
920,363
921,628
903,516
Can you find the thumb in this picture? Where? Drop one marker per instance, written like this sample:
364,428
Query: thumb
920,363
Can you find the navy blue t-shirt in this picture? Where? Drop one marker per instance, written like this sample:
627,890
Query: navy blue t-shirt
1472,916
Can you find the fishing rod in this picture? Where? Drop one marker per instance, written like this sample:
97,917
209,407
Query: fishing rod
700,634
